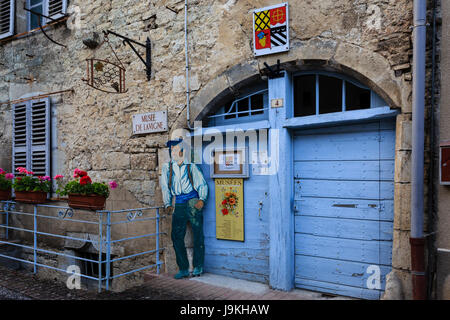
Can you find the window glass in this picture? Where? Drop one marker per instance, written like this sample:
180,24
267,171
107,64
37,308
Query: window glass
356,98
34,22
330,94
243,106
305,96
232,110
257,102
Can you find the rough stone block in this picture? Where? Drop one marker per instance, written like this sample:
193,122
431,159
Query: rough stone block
403,132
393,289
401,250
402,167
144,161
402,206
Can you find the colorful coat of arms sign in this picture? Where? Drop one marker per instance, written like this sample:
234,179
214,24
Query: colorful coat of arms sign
271,29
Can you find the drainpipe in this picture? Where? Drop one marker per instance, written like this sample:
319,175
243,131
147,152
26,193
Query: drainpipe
417,239
188,109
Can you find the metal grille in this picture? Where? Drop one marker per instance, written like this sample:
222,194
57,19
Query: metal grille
247,106
90,268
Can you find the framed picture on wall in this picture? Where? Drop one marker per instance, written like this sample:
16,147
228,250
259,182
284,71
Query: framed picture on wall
230,163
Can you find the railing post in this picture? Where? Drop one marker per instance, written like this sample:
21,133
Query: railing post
108,249
100,244
157,241
7,221
35,240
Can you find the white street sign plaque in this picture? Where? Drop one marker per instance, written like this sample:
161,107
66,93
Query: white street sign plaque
150,122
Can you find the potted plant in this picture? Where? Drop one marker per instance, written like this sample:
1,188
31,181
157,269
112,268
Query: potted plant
83,193
31,189
5,184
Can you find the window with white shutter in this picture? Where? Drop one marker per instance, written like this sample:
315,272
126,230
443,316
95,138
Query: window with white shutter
6,18
31,136
50,8
56,8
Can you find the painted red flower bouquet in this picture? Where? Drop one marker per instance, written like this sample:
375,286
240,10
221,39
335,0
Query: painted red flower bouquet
229,203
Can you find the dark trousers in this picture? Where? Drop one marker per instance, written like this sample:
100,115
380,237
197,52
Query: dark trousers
183,213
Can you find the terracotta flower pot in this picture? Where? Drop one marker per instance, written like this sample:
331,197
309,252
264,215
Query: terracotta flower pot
36,197
88,202
5,194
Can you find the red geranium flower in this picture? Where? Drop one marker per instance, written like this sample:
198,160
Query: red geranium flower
85,180
82,173
224,212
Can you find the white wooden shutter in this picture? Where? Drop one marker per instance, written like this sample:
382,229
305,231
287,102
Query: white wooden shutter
40,137
20,136
6,18
56,8
31,136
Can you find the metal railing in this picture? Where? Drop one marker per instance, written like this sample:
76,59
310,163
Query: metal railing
105,225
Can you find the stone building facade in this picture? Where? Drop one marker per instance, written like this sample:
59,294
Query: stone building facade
369,41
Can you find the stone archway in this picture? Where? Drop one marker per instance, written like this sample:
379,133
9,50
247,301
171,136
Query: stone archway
368,67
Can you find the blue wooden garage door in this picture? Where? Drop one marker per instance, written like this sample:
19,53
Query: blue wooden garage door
344,208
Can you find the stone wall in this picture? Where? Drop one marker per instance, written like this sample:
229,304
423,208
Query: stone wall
370,40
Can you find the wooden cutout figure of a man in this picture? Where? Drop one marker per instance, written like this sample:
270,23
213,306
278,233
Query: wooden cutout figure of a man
185,181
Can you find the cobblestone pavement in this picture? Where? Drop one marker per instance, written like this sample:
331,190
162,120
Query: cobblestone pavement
21,285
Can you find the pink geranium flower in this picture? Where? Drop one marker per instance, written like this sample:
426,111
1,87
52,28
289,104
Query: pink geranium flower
58,176
9,176
2,171
113,185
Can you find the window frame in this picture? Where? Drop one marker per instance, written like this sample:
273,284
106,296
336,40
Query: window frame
218,117
12,18
45,11
375,100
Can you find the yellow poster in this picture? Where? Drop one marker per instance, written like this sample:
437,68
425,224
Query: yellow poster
230,209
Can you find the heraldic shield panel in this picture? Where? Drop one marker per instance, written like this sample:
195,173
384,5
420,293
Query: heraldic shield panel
271,29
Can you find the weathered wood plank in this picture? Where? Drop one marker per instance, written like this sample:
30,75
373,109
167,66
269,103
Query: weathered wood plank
375,252
347,273
345,170
337,289
344,228
345,208
344,189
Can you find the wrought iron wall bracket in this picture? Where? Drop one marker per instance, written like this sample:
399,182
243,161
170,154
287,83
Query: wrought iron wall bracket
148,50
273,74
